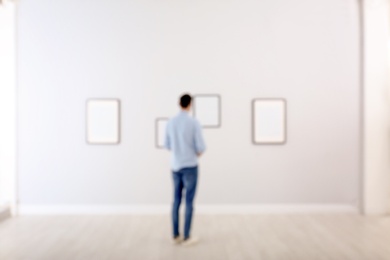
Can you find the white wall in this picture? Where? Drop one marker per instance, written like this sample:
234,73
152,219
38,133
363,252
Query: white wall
147,53
7,104
377,99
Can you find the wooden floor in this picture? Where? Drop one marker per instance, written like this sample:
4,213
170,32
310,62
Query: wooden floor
279,237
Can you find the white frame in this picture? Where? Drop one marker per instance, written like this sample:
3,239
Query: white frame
103,130
217,122
160,131
262,111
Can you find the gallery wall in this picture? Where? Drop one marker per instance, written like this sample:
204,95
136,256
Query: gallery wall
7,105
147,53
377,104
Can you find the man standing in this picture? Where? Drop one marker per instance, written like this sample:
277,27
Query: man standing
184,139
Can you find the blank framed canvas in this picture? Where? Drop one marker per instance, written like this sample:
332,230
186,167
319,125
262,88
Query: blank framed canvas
207,109
161,126
103,121
269,118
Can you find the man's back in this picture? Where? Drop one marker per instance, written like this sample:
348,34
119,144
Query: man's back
184,138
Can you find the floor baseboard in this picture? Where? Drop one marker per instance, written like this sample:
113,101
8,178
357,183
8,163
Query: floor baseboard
165,209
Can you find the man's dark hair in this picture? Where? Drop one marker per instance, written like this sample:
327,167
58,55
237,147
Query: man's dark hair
185,101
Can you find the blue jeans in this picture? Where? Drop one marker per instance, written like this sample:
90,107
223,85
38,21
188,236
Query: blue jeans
186,178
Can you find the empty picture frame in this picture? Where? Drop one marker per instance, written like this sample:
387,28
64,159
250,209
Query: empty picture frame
207,109
161,126
269,121
103,121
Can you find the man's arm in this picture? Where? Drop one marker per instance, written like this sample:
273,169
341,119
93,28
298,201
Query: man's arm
200,145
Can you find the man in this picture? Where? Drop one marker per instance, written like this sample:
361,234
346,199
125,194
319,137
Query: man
184,139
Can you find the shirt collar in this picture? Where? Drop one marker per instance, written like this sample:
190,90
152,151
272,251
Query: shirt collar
183,112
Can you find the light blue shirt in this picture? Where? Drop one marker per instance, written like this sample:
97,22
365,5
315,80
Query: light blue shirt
185,140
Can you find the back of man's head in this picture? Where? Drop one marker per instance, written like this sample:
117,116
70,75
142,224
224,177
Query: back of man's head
185,101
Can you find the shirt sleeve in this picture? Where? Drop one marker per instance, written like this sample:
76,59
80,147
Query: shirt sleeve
200,145
167,141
